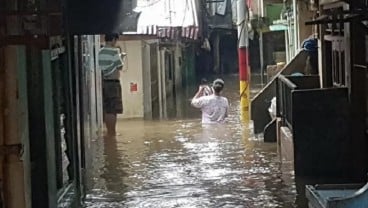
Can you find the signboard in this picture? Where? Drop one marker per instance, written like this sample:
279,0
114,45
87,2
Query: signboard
133,87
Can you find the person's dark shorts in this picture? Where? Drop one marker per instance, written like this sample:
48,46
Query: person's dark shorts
112,99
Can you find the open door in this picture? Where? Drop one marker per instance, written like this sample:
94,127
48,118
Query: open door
154,81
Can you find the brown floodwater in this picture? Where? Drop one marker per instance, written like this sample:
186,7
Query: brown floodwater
177,163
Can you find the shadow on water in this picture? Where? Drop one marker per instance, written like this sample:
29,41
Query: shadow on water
180,163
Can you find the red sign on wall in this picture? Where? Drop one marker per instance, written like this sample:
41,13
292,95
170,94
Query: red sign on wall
133,87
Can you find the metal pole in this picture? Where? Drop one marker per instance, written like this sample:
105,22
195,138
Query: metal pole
261,57
243,59
296,30
261,14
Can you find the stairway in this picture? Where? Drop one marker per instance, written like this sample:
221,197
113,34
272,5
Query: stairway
261,102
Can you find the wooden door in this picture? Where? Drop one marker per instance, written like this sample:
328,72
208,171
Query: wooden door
154,81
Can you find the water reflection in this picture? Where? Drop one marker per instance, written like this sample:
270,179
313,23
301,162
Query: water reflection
180,163
115,166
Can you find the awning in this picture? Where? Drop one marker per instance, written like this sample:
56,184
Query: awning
279,25
176,32
170,19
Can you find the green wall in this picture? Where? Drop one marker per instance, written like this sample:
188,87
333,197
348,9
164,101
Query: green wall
273,11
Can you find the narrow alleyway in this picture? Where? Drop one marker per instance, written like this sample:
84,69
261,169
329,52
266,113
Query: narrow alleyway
177,163
311,56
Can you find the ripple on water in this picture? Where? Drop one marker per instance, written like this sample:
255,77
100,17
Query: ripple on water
179,163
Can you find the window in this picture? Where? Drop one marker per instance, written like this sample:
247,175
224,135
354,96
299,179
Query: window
338,62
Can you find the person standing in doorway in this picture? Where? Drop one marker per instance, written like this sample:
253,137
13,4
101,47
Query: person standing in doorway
214,107
111,63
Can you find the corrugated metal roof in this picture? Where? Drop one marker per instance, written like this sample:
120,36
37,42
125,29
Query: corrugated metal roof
168,18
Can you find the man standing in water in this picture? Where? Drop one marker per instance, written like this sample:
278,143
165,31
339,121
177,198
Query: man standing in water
111,64
214,107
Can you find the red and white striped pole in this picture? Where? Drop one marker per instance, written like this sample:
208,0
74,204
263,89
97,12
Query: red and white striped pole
242,22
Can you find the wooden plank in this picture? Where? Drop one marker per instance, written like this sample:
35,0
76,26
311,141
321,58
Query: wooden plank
2,91
99,87
11,96
76,77
37,128
13,168
29,12
2,108
40,41
358,100
127,37
23,122
49,127
321,133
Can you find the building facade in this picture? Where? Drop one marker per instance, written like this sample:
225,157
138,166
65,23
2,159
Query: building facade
50,99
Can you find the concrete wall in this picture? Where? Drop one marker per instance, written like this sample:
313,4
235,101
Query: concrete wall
137,70
150,79
304,31
273,11
94,88
162,83
258,7
147,95
132,74
14,172
286,145
168,64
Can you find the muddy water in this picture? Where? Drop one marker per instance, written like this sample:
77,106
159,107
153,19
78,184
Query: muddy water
179,163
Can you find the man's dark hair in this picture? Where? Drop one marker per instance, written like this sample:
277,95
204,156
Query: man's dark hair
111,37
218,85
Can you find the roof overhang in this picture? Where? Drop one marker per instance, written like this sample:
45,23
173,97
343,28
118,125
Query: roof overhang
179,22
278,27
98,17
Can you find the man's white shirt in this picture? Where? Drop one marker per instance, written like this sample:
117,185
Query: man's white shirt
214,108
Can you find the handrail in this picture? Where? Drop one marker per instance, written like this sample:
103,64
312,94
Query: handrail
262,100
289,83
284,100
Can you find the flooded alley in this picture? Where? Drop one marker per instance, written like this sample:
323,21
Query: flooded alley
179,163
72,71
